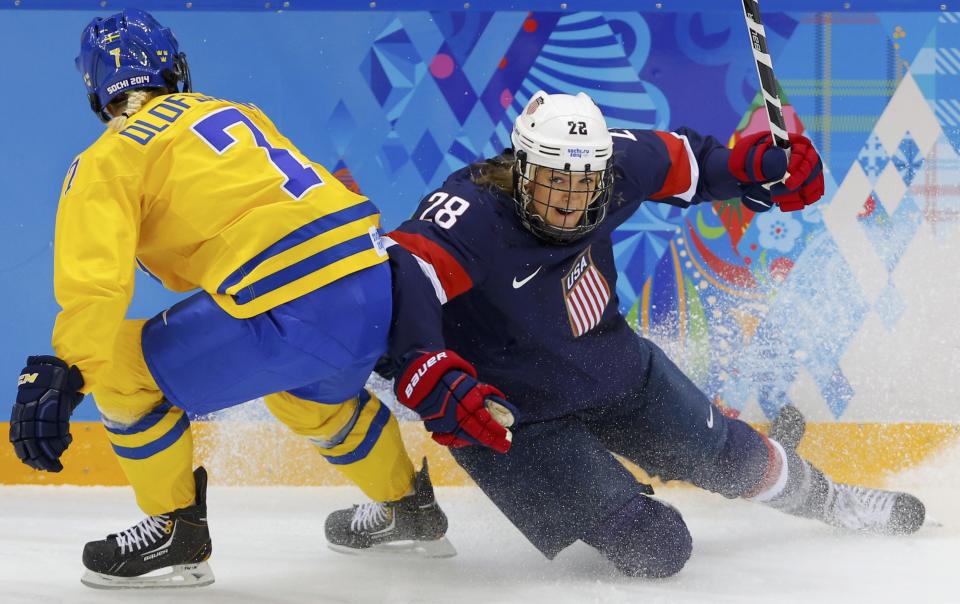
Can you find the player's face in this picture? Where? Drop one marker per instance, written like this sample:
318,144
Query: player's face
561,197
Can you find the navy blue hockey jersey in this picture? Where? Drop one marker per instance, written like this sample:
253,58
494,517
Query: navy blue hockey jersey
540,321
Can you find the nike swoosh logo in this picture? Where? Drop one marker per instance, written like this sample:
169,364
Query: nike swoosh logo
710,419
761,202
519,284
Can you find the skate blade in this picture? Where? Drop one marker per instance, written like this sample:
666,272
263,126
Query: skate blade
180,575
440,548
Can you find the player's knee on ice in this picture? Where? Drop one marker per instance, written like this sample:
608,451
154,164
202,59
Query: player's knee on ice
645,538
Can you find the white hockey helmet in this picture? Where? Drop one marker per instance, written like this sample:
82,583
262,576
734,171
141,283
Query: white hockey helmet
565,133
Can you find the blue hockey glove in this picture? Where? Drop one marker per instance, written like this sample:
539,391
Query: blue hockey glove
460,411
47,393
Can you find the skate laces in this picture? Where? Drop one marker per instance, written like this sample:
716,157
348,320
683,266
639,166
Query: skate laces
862,508
144,533
368,516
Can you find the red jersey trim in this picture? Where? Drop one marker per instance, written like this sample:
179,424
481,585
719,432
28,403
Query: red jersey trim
453,277
680,181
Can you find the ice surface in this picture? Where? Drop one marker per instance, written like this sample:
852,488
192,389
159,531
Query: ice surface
269,547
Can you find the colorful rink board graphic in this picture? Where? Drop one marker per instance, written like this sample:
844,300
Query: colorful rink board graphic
267,453
845,309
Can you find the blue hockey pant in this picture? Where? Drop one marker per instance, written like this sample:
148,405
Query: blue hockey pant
560,481
309,358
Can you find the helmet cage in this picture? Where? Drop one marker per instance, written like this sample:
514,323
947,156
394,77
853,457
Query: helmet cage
558,197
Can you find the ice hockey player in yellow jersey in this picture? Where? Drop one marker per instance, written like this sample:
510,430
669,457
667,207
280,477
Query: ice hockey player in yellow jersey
294,304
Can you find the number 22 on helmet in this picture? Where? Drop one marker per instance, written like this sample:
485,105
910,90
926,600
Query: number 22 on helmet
562,175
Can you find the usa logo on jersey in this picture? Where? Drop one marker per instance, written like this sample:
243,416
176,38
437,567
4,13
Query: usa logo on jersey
586,294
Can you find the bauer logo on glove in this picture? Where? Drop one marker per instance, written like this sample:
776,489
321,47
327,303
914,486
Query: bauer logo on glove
442,388
421,370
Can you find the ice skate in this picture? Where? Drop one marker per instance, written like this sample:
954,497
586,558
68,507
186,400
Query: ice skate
844,506
167,550
413,525
872,510
788,427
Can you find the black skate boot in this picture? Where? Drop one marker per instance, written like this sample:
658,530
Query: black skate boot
178,541
811,494
414,524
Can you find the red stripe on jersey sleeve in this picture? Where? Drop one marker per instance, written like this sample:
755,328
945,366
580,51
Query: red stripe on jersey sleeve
453,277
678,177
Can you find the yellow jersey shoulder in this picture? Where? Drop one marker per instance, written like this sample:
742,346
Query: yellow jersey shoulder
165,115
125,152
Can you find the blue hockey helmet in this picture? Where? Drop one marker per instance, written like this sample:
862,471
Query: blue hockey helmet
127,51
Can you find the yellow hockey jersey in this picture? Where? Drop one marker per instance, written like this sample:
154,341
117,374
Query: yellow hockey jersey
202,193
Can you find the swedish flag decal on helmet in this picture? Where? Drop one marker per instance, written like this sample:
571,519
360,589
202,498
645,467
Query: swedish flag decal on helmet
127,51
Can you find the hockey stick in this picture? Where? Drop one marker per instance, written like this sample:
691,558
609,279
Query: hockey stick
768,81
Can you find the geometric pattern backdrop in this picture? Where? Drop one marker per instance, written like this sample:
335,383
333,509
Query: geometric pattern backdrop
846,308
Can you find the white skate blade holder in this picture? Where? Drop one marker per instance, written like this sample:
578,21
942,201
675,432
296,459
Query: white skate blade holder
439,548
180,575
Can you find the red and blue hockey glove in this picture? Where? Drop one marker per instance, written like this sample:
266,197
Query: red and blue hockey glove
47,393
460,411
755,161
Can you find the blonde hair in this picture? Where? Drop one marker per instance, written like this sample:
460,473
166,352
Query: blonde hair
125,108
496,172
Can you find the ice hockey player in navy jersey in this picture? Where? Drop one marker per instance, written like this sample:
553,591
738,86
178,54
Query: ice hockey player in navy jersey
505,290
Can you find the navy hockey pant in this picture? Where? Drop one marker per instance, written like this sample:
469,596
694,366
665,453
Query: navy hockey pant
559,482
